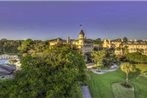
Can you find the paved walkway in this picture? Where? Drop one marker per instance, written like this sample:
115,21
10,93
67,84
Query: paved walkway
86,92
103,71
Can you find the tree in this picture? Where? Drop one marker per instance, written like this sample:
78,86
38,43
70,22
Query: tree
9,46
127,68
54,74
125,50
25,46
125,39
136,57
32,47
109,58
98,57
98,41
87,40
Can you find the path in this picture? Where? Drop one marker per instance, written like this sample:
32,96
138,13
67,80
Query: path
86,92
114,68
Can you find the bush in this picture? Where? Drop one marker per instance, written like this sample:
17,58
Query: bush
136,58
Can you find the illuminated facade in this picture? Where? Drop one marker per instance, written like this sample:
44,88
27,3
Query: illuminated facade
79,43
136,47
131,46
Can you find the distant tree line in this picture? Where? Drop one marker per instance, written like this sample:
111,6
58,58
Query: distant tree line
95,41
16,46
9,46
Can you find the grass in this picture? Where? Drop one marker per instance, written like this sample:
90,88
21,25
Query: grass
140,85
141,67
122,92
101,85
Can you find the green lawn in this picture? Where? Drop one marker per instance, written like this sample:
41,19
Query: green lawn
101,85
120,91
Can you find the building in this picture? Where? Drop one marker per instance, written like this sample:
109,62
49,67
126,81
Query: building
78,43
131,46
137,47
117,43
106,43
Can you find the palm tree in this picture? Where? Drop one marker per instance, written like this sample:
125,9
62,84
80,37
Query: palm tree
98,57
127,68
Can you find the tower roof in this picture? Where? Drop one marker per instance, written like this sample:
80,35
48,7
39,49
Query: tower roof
82,33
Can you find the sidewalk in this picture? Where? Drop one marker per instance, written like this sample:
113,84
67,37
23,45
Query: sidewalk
86,92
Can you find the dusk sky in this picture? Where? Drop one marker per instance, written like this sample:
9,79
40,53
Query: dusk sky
47,20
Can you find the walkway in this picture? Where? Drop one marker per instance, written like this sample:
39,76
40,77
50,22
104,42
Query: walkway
105,71
86,92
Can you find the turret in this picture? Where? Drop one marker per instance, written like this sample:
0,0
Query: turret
81,39
81,35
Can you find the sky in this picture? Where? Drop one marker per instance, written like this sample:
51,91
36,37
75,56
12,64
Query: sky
48,20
